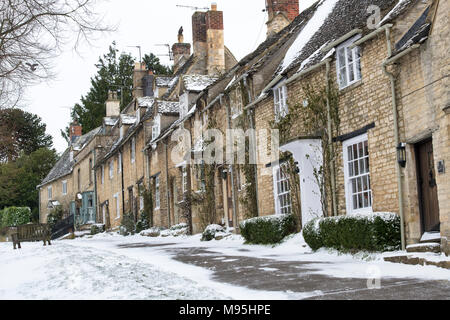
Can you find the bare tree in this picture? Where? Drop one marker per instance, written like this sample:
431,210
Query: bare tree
32,34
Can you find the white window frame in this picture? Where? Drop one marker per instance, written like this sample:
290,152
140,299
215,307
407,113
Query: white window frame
348,67
133,150
237,107
157,194
184,104
116,196
119,163
64,188
184,179
281,108
282,182
50,193
141,196
111,169
156,129
349,194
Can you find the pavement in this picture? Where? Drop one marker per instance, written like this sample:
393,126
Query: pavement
297,277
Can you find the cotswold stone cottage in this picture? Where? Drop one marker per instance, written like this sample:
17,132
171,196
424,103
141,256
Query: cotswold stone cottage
344,109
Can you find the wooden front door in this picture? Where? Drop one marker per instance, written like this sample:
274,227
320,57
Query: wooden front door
426,175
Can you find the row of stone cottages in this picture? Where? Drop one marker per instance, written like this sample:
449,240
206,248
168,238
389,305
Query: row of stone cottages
356,90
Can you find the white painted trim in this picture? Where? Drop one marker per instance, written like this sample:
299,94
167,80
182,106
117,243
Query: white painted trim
348,193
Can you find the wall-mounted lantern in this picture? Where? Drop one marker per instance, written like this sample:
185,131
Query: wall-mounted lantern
401,154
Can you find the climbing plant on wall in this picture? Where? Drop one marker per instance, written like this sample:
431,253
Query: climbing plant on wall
313,119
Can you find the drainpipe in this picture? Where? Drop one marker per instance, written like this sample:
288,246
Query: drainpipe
123,187
396,127
97,213
167,183
252,126
330,142
233,193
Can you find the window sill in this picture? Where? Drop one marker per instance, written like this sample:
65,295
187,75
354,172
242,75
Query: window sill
351,86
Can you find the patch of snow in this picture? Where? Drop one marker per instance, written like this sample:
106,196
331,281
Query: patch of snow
197,82
430,236
402,4
307,60
308,31
128,119
145,101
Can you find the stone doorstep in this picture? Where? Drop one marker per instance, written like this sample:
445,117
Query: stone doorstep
411,260
431,237
424,247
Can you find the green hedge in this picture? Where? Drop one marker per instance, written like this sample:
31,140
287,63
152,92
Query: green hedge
268,230
14,216
375,232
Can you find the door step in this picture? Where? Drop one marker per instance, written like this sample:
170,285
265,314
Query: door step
424,247
431,237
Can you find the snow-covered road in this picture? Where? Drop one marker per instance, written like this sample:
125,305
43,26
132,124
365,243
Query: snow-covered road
67,271
109,266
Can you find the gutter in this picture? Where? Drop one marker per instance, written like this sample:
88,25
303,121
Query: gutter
340,40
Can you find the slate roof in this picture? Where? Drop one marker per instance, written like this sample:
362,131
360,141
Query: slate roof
344,16
197,83
82,141
145,101
168,107
163,81
62,168
418,33
176,77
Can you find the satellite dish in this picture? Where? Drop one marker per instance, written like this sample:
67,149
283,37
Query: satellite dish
79,196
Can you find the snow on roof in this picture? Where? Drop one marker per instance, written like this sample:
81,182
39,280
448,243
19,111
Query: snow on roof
145,101
197,82
163,81
62,168
308,31
165,107
82,141
401,5
110,121
324,22
128,119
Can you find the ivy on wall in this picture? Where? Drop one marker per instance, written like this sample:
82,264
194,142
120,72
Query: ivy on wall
313,119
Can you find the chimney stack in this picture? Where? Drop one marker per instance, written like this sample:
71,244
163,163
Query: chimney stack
180,50
139,73
199,39
76,131
112,105
281,13
215,41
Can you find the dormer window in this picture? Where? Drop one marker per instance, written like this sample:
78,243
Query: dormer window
348,64
280,102
156,129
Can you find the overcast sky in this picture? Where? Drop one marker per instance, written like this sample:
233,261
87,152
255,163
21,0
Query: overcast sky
144,23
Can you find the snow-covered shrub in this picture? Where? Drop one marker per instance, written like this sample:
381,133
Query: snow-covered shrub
152,232
374,232
211,231
15,216
97,228
142,224
267,230
127,226
181,229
